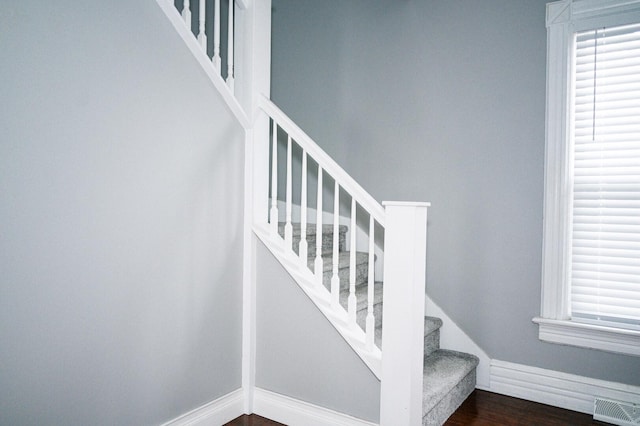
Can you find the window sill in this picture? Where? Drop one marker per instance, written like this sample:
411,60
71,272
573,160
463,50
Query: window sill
610,339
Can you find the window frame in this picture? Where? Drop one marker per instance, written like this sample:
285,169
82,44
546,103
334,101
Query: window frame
565,18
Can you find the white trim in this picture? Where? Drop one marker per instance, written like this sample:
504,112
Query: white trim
294,412
214,413
248,282
405,243
556,239
564,18
554,388
590,336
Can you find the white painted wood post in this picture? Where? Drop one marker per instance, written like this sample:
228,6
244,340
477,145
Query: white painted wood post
186,13
252,52
318,265
273,216
254,45
303,249
202,37
335,278
403,312
230,35
288,226
371,320
216,35
352,300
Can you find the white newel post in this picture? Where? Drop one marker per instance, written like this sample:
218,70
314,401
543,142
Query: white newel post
252,68
403,312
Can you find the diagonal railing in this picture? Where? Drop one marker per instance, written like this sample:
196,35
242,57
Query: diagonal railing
325,195
203,23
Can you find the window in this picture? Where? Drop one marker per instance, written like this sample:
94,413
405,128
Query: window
591,258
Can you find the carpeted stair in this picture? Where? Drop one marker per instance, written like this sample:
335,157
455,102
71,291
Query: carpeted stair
449,376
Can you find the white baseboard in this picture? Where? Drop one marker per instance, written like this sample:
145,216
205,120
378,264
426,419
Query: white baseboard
214,413
294,412
550,387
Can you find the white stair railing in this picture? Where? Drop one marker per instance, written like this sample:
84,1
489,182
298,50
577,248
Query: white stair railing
399,363
300,168
200,33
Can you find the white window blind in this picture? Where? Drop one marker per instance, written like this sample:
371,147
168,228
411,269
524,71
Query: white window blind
605,258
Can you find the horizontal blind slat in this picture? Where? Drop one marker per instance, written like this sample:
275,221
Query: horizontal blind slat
605,256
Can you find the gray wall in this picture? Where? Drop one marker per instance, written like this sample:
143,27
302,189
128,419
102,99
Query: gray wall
300,354
120,219
442,101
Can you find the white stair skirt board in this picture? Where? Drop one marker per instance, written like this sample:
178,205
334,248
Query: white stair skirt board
214,413
551,387
452,337
294,412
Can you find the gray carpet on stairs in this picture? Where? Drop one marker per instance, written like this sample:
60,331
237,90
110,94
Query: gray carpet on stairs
449,376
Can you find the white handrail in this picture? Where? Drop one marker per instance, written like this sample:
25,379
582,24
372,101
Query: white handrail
329,166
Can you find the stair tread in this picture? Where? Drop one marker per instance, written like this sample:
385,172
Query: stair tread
431,324
344,259
443,370
311,228
362,293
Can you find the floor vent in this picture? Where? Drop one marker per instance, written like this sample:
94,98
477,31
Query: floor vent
616,412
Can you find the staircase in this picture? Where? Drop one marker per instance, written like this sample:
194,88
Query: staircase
420,383
449,376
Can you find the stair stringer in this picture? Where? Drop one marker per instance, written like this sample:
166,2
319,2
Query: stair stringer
454,338
338,317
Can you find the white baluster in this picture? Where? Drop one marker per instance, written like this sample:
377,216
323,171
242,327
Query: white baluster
303,248
230,81
274,182
288,227
318,266
371,320
186,13
202,38
352,302
216,36
335,278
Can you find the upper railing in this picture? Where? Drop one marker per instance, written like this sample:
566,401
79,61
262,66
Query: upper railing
203,22
209,31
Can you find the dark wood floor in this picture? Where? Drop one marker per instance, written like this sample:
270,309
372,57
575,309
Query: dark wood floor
485,409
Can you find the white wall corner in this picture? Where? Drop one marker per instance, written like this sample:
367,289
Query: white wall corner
454,338
214,413
558,389
294,412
